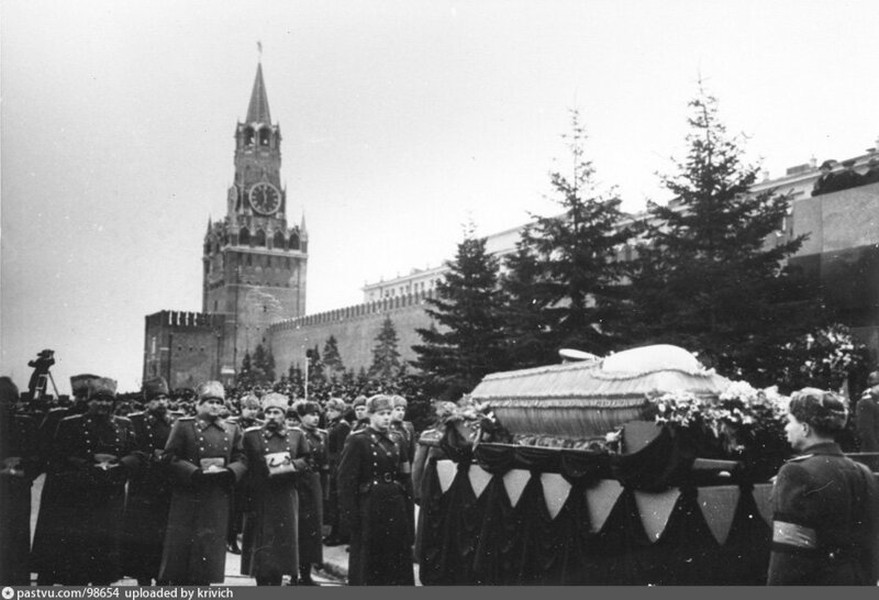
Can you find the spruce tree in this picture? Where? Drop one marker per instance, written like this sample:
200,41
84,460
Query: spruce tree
386,362
707,279
467,341
332,358
565,283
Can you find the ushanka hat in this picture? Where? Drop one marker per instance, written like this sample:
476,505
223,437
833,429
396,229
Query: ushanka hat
210,389
379,402
304,407
275,400
155,387
336,404
397,400
824,411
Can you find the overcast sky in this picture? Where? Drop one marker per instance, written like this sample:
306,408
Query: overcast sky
401,121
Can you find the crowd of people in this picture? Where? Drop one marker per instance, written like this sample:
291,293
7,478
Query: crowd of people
162,493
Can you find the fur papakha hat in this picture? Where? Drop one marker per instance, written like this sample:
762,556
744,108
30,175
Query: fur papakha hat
155,387
210,389
275,400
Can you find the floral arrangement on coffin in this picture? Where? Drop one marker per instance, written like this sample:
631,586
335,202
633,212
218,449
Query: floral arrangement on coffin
742,423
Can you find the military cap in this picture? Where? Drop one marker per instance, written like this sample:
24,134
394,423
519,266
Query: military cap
359,401
379,402
873,378
250,401
275,400
102,388
208,390
336,404
397,400
155,387
824,411
304,407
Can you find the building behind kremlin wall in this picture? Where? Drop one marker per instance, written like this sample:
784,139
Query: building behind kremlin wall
254,278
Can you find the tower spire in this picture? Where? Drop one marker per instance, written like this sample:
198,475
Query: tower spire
258,109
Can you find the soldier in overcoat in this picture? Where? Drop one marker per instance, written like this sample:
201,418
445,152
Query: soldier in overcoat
825,506
207,459
149,491
52,516
94,453
337,430
312,488
405,428
276,456
19,466
241,504
375,492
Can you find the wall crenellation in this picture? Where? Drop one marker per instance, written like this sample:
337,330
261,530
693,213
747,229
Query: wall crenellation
353,312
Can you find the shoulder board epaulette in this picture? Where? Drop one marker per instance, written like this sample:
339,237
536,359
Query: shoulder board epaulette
323,431
358,432
186,418
800,458
136,414
72,417
254,428
123,419
430,434
56,409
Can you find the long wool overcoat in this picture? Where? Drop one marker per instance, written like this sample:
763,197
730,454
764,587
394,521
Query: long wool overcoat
271,527
87,547
312,488
195,542
149,498
375,502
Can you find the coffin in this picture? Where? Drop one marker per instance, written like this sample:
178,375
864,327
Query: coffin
590,398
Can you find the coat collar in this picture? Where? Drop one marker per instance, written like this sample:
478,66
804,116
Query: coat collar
280,432
824,448
203,424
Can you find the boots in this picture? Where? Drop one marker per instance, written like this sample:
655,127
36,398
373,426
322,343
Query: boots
305,575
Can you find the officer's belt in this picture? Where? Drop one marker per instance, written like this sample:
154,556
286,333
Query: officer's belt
386,478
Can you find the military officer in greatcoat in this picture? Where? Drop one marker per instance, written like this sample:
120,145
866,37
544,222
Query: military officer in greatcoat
19,466
207,459
248,418
277,455
405,428
149,491
312,487
94,454
375,491
337,430
825,506
52,512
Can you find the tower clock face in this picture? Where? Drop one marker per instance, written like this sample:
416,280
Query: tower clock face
264,198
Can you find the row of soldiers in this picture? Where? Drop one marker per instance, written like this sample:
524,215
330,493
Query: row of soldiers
154,495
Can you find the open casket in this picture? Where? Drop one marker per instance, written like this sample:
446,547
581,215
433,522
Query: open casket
550,514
